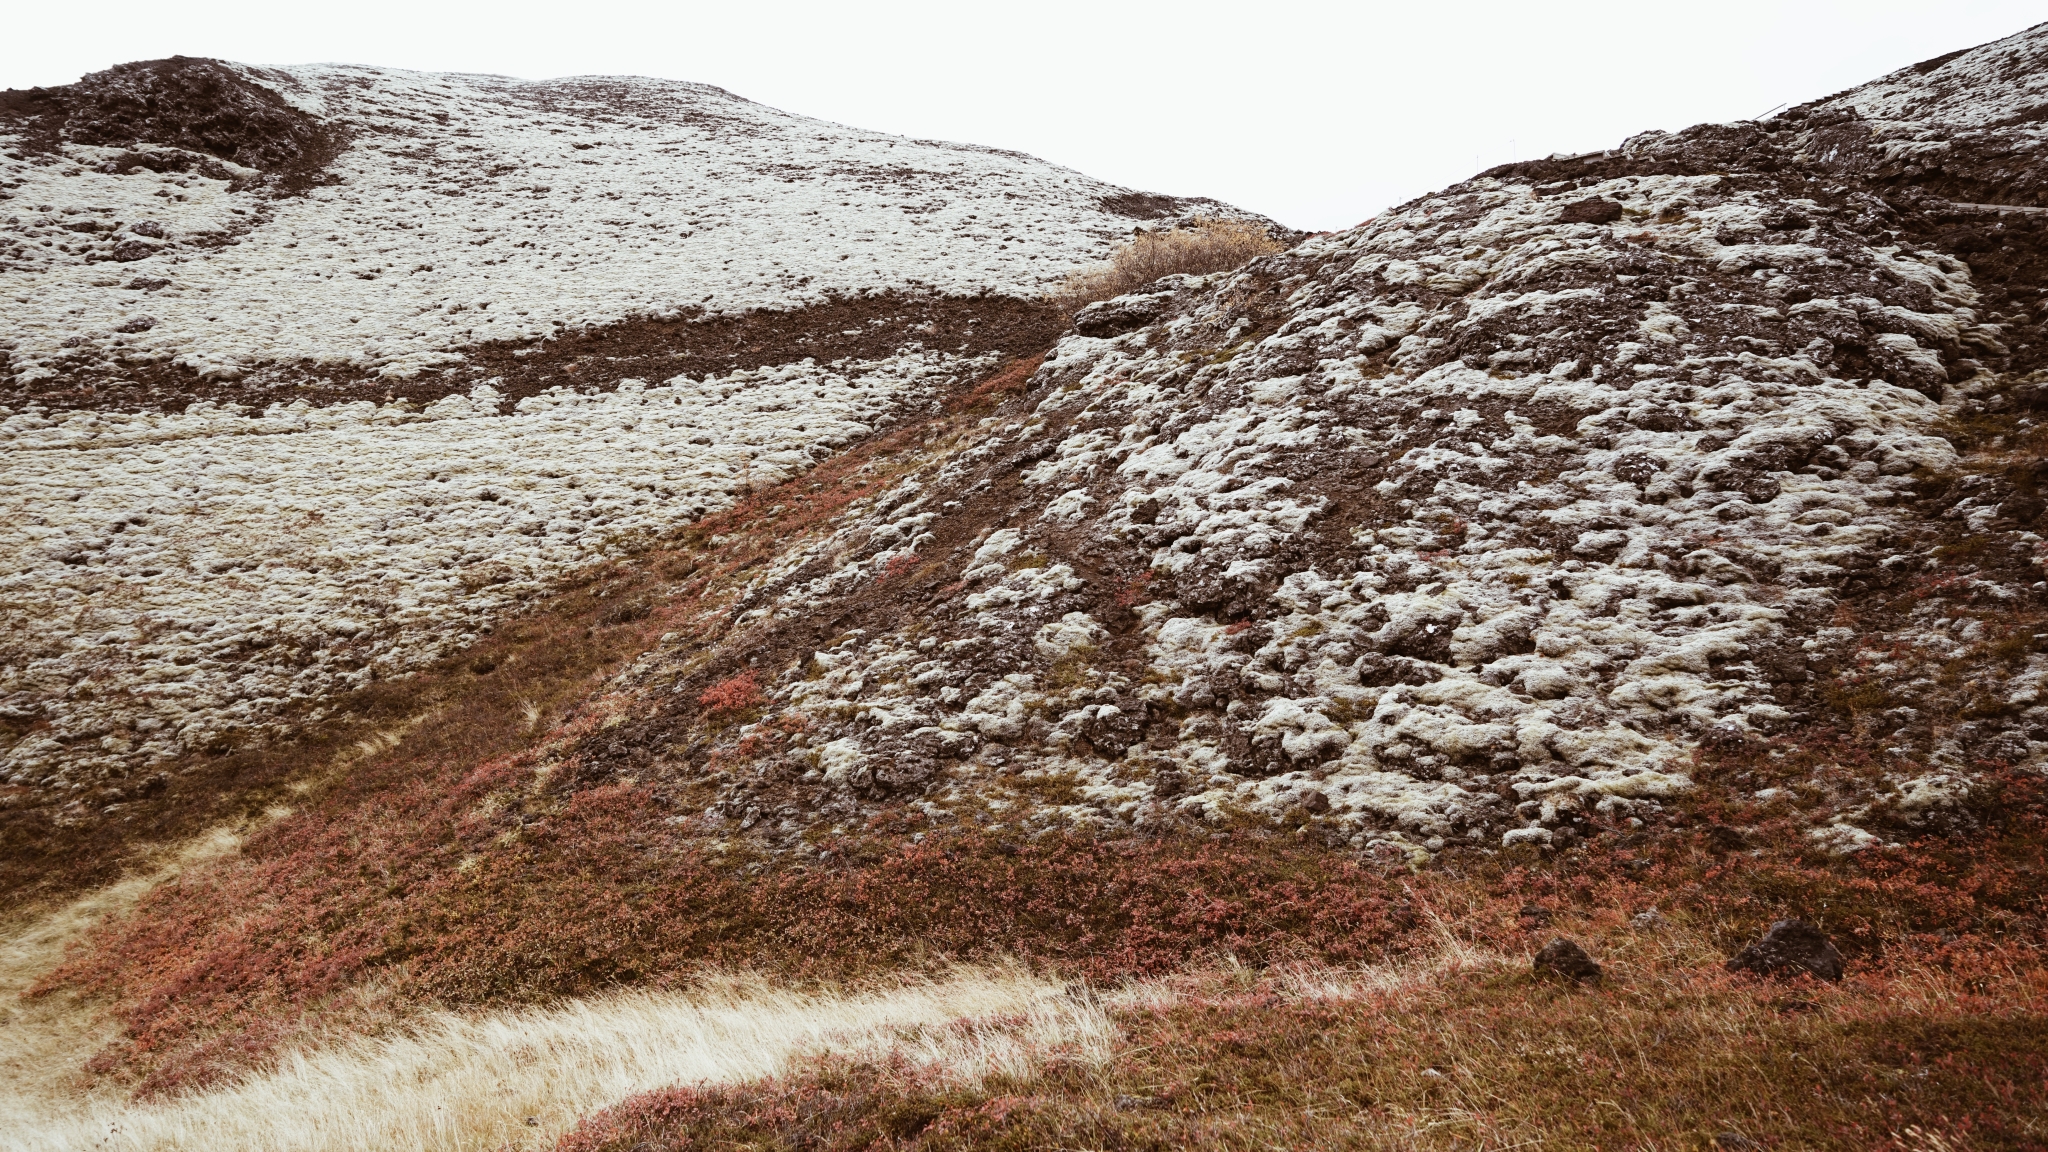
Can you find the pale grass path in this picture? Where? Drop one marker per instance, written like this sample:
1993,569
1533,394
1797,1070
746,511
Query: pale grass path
472,1082
43,1042
456,1082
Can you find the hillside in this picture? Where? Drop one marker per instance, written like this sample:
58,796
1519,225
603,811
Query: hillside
1642,547
302,367
1466,526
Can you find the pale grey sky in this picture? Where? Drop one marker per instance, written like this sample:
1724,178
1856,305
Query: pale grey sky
1316,114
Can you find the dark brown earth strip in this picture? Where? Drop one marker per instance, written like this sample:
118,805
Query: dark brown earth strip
588,360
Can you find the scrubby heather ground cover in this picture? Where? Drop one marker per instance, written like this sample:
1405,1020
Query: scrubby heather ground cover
1930,1029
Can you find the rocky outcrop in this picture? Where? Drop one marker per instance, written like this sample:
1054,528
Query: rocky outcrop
182,114
1564,959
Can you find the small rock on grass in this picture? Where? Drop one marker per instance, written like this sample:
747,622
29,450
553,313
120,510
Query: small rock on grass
1722,838
1562,957
1789,948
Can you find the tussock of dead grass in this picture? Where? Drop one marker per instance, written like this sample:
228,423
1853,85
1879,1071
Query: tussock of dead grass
1203,246
519,1079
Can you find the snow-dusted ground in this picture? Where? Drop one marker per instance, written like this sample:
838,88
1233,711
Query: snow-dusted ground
474,208
167,580
1477,520
1998,84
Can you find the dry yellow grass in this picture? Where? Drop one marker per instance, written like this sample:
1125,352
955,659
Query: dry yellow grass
44,1041
1467,1013
1461,1049
1205,245
519,1079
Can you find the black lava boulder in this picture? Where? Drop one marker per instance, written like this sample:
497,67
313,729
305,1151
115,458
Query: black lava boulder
1562,957
1789,948
1115,317
1593,211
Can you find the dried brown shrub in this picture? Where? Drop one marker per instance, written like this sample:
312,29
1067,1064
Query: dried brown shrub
1204,245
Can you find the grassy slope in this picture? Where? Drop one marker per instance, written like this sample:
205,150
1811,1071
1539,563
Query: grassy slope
1667,1053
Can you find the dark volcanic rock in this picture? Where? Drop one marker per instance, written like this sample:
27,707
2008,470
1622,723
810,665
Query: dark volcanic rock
1593,211
1789,948
1112,317
1564,958
208,108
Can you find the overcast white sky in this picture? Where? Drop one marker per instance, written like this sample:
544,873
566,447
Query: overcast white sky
1316,114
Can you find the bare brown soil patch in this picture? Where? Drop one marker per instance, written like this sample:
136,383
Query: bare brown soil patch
590,360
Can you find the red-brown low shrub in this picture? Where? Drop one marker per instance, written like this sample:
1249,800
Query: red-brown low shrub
733,695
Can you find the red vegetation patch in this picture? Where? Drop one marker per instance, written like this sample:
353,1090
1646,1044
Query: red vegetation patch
1013,377
417,883
731,696
1135,590
898,564
475,885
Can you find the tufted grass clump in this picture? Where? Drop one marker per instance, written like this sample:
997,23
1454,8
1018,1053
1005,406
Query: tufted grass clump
1202,246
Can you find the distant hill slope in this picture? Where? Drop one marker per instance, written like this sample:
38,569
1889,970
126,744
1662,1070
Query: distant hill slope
349,220
308,375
